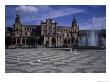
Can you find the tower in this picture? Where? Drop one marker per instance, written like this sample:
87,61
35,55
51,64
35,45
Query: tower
17,19
17,26
74,32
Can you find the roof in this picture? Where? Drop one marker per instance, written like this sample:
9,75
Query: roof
8,29
64,27
31,25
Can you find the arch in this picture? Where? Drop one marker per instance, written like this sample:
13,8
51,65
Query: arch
65,44
40,41
36,41
72,40
18,41
26,40
53,42
65,41
23,41
69,41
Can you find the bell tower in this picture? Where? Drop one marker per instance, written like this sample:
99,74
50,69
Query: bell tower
17,25
17,19
74,28
74,31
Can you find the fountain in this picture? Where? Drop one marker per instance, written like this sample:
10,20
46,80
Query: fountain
103,42
83,41
93,35
92,38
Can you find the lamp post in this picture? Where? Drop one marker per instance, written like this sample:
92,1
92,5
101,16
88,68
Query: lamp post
71,46
37,41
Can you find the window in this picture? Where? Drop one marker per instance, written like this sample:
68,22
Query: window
53,28
68,35
26,34
23,41
66,30
28,29
17,32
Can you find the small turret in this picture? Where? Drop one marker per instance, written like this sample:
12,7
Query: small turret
74,22
17,19
74,27
74,32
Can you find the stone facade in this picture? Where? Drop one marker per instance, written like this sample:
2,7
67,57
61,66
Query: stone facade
57,35
49,34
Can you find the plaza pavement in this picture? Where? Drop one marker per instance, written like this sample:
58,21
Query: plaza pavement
50,60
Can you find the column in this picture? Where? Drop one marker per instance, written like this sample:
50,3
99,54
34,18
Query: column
44,40
57,41
49,39
20,40
60,40
67,42
70,42
16,41
24,41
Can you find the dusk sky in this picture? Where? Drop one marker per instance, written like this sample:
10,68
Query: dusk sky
62,14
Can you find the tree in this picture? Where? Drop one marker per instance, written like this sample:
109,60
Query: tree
103,33
8,41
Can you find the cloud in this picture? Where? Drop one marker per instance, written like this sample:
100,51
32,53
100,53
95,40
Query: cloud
43,12
33,14
27,9
61,12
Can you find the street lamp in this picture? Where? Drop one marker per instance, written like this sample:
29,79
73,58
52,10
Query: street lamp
37,41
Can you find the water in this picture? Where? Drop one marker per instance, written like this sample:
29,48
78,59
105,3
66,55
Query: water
92,38
83,41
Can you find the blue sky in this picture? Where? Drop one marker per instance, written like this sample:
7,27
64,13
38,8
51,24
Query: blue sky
62,14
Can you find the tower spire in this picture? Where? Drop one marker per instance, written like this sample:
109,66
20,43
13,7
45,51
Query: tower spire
17,19
74,16
74,20
17,11
74,32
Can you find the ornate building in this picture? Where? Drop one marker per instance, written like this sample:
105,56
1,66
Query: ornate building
55,36
47,34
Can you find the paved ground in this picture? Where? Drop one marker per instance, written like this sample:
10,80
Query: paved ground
43,60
